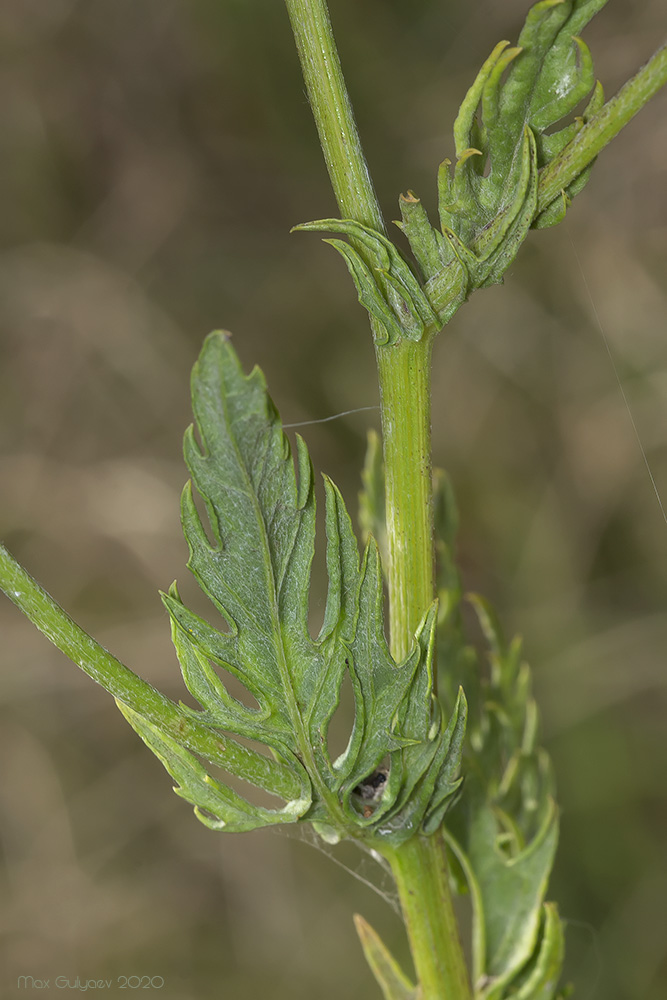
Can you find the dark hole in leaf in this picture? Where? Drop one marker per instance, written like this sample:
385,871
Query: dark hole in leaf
368,793
372,787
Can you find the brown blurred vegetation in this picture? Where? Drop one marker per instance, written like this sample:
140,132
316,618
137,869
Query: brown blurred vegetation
154,156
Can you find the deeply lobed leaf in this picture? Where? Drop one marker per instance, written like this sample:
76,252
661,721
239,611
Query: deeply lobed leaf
399,772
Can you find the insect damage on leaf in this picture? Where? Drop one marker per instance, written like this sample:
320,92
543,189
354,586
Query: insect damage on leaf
400,769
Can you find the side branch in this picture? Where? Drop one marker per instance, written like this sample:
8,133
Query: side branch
601,129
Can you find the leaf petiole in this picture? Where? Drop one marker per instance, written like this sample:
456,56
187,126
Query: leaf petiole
131,690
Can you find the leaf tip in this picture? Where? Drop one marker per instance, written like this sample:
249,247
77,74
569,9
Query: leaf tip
217,337
466,154
393,982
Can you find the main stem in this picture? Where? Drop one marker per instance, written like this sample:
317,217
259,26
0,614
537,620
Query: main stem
333,113
419,865
403,368
429,918
405,398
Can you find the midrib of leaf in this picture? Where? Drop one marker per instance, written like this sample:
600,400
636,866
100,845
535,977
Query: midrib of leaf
288,681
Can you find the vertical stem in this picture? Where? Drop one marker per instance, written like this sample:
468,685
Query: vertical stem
419,865
420,870
333,113
404,369
405,388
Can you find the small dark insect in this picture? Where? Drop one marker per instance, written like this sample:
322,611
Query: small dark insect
371,788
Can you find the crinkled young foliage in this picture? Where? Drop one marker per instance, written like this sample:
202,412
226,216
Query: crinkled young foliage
505,133
503,828
400,770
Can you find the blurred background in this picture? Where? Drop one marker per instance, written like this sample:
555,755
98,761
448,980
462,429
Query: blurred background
154,156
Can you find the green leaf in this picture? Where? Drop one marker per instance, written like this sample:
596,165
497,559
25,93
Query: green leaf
539,980
400,768
392,980
503,828
384,280
509,127
500,133
399,772
509,891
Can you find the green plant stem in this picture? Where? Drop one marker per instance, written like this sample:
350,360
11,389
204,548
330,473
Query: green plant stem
405,389
404,375
333,113
126,686
420,871
404,369
602,128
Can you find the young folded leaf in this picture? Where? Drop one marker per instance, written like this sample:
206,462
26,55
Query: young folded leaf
504,828
523,90
504,134
399,772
